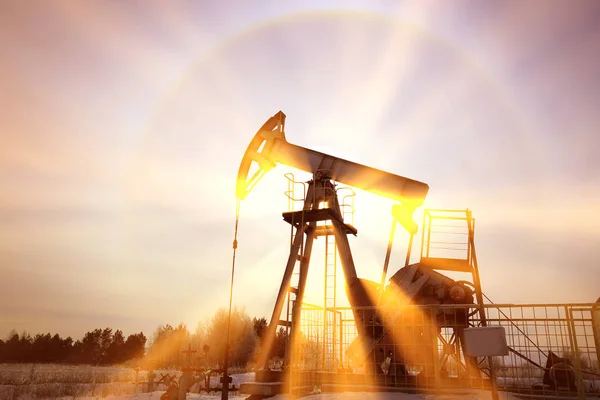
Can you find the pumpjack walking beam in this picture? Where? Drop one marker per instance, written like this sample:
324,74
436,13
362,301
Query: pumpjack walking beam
269,147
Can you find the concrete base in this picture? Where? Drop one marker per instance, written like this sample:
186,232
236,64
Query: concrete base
265,389
270,383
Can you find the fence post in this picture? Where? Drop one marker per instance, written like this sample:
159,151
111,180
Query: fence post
575,352
596,328
341,340
436,353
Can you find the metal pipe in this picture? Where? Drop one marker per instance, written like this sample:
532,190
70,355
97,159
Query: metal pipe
387,260
409,250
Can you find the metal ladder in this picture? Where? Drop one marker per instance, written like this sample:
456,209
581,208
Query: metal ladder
329,302
292,202
330,326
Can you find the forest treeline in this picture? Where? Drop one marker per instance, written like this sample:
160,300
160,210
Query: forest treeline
168,347
208,342
98,347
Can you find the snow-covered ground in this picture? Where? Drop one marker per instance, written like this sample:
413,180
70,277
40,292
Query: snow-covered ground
104,389
471,395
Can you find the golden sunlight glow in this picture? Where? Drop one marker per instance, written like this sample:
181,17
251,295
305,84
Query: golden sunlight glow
125,162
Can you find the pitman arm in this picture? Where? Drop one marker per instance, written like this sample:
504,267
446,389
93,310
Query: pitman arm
269,148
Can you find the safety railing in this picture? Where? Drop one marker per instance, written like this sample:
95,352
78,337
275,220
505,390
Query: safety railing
290,193
346,197
445,234
553,349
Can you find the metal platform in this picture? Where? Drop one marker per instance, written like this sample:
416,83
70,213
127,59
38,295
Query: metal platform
323,214
447,264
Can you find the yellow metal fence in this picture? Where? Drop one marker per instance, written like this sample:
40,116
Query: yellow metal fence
553,349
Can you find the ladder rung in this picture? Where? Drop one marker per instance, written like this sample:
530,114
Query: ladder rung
293,290
284,323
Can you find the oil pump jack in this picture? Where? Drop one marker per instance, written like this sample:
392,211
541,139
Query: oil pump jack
415,283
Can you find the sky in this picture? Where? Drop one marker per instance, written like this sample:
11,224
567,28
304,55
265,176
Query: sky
123,123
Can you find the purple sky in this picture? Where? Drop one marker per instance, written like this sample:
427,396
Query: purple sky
123,125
